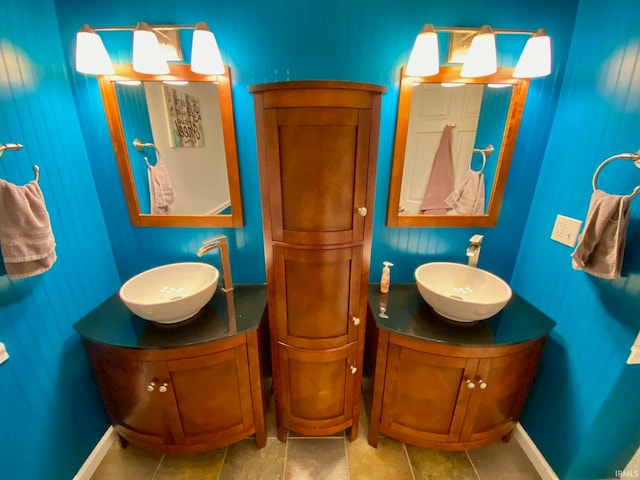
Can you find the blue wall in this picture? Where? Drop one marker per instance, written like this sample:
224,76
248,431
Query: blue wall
46,381
50,412
583,413
290,40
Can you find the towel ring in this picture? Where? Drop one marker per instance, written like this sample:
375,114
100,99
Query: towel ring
635,157
485,152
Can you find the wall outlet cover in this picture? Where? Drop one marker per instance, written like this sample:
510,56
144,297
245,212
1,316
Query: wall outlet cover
566,230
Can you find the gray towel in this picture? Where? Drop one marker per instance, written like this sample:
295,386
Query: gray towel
600,248
468,197
160,188
26,239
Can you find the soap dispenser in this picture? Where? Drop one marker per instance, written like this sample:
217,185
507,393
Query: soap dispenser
385,279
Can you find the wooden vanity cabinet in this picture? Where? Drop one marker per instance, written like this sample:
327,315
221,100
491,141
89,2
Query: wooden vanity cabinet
449,397
182,400
317,149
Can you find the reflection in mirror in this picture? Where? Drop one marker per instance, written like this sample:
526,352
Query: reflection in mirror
184,170
454,141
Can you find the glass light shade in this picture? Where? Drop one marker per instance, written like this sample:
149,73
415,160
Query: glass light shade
147,55
535,60
205,54
481,59
424,59
91,56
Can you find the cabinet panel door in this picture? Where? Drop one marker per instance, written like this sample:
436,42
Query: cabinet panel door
317,173
423,397
317,388
213,396
135,411
317,295
497,406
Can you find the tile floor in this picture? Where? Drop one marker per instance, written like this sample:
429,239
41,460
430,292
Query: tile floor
331,458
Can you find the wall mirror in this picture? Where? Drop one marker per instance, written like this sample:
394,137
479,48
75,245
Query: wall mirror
185,120
453,145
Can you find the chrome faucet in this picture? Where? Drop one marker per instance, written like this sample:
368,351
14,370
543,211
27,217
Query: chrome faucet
473,251
219,242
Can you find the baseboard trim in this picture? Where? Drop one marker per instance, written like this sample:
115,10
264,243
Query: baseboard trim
97,454
535,457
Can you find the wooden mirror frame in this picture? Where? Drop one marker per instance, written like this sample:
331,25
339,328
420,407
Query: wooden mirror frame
112,111
512,125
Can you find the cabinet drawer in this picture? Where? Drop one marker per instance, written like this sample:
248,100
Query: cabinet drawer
317,388
318,296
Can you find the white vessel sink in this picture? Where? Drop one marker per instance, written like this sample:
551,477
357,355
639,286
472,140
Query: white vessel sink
460,292
171,293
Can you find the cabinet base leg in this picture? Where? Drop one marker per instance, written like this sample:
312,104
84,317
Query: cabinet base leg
507,437
123,442
282,433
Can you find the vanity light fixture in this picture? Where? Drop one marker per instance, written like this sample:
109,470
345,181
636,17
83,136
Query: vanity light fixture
481,58
152,48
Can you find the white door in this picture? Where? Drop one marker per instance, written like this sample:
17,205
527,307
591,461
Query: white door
432,107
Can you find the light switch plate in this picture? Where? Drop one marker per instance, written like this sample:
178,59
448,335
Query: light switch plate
566,230
3,353
635,351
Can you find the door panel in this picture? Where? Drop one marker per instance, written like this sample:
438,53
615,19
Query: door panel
317,295
318,170
317,388
213,395
131,407
423,395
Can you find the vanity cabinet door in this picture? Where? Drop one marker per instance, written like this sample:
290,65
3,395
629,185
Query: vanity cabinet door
129,387
212,398
317,388
317,173
502,386
423,398
317,296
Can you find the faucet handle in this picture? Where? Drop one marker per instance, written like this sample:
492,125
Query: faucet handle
476,239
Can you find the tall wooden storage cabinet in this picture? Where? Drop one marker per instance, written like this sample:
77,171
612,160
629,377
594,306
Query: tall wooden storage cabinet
317,149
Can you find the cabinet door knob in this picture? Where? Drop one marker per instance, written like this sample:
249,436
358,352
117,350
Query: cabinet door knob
353,370
362,211
151,387
470,384
355,320
482,384
163,387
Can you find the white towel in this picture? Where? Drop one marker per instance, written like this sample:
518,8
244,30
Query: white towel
160,189
468,197
600,248
26,238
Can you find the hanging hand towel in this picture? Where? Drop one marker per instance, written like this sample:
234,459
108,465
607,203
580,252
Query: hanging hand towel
468,197
26,239
600,248
440,182
160,188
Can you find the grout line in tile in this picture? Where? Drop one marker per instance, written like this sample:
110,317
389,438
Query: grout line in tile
346,457
224,457
286,452
406,453
158,467
472,465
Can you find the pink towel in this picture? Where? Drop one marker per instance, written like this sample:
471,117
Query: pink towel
160,188
26,239
601,245
440,183
468,197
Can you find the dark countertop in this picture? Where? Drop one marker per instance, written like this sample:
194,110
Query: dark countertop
112,323
410,315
